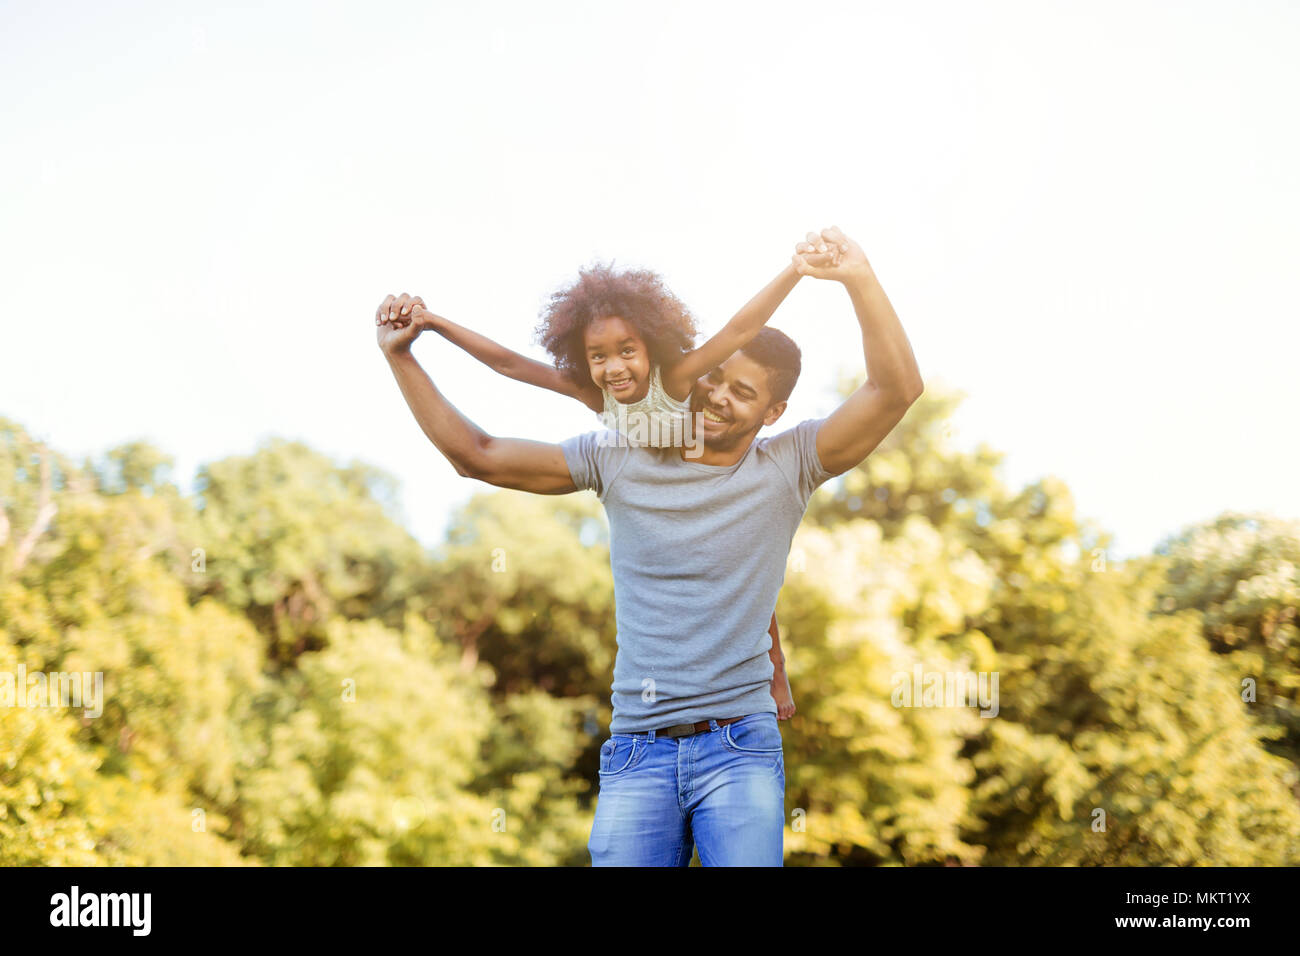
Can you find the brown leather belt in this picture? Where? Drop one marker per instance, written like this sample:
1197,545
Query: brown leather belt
699,727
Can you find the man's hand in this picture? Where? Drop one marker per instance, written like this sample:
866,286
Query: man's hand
396,328
830,255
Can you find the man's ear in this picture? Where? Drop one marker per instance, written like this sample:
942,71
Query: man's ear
773,413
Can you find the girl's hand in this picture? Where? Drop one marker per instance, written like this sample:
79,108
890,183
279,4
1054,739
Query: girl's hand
399,310
424,318
829,255
421,316
781,694
396,329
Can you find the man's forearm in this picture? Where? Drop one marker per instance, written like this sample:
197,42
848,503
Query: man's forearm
459,439
891,366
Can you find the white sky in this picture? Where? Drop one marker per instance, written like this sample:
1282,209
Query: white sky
1084,213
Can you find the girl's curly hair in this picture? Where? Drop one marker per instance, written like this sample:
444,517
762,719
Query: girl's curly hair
638,296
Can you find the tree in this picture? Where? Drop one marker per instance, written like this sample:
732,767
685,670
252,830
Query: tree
370,752
1242,573
1126,743
290,539
525,586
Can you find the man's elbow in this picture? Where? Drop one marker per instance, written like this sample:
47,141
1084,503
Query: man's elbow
904,396
466,470
473,463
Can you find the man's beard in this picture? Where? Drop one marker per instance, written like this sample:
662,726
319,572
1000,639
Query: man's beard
727,440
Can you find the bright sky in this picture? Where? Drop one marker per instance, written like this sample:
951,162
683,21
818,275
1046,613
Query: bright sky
1084,213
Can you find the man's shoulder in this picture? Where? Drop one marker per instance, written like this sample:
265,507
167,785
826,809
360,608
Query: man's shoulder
596,458
596,438
804,430
794,453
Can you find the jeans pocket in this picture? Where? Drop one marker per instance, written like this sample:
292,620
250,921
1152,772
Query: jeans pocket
618,753
753,734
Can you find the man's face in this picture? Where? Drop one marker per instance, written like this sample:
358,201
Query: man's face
618,359
736,401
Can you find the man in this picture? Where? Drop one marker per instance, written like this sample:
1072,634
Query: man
698,549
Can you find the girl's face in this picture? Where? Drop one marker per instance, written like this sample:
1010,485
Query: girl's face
618,359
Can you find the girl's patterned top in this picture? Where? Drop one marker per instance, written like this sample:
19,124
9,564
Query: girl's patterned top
657,421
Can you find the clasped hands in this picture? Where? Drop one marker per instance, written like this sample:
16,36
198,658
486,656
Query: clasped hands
829,254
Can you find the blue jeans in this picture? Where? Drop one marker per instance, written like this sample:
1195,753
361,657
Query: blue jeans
722,790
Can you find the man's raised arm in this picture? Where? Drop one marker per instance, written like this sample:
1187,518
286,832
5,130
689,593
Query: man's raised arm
508,462
893,383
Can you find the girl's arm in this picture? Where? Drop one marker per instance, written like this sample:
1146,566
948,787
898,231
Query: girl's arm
679,378
510,364
776,654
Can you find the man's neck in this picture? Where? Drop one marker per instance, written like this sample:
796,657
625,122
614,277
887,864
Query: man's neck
719,458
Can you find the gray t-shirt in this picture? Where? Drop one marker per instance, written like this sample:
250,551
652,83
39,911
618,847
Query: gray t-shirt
698,554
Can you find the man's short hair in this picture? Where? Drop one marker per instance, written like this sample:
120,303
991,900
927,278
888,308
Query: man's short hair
776,352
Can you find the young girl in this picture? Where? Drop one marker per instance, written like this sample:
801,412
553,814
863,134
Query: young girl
623,345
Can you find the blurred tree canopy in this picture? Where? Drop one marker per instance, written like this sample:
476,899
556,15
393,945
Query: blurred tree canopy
1241,572
289,678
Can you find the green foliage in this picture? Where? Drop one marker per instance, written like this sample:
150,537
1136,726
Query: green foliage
1242,573
522,592
290,540
56,810
369,754
1130,723
47,787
